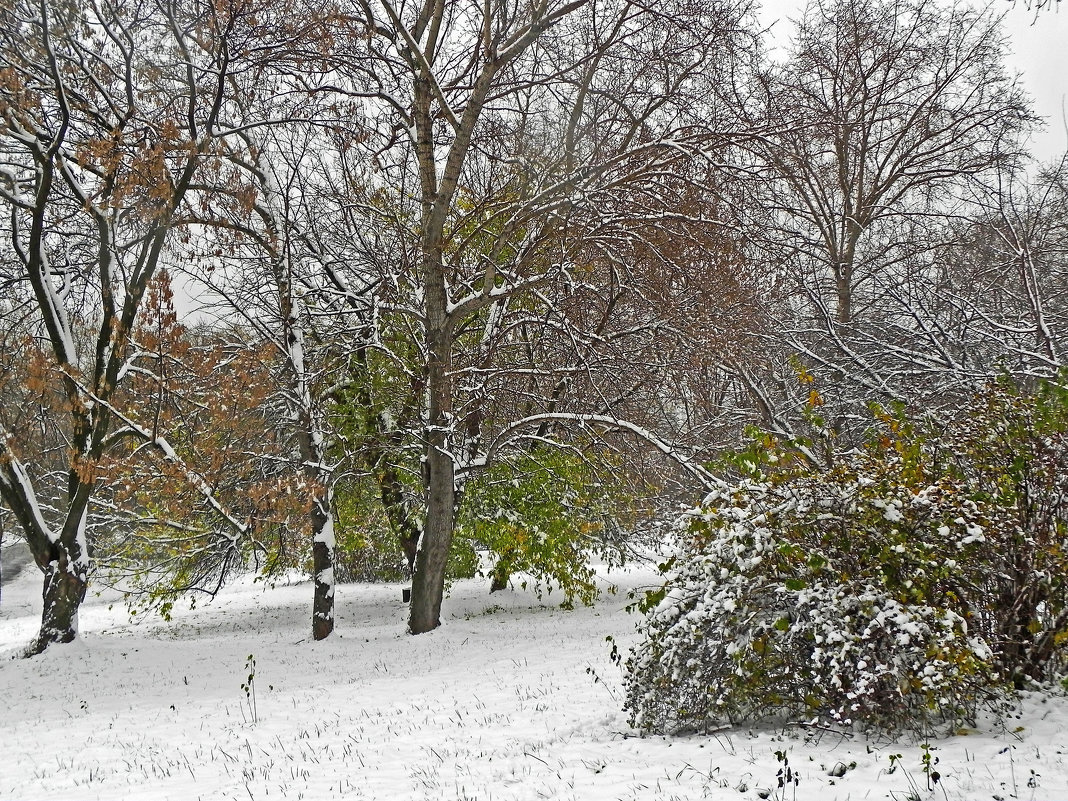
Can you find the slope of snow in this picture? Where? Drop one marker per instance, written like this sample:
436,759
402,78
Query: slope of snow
511,699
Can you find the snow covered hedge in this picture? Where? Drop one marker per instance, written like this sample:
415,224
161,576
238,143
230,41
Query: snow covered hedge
907,586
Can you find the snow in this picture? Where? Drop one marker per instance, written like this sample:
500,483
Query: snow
326,534
21,486
512,698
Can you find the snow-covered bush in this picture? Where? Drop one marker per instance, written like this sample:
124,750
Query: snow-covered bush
773,612
886,591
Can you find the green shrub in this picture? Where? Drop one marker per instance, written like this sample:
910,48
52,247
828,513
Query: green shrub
546,515
367,548
909,585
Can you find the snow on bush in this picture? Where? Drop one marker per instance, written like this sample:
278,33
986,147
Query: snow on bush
770,614
906,587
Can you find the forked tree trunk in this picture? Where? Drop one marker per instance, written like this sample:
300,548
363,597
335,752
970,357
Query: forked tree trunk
61,556
62,595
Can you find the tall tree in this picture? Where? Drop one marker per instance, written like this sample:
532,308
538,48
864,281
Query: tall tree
882,115
272,268
512,126
883,108
107,113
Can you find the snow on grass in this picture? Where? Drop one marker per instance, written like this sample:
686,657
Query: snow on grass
511,699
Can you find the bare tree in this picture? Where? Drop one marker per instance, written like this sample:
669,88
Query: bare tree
881,111
273,269
883,116
1002,275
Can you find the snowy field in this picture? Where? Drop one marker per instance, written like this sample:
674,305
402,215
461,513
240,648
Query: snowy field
511,699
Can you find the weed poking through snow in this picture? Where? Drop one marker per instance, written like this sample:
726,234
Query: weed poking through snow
249,688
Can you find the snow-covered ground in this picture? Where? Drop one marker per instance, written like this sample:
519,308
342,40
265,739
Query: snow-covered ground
511,699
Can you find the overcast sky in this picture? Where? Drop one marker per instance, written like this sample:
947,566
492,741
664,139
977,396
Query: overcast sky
1039,53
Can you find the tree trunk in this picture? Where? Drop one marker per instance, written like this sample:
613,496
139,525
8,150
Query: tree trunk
499,577
410,546
843,287
844,264
323,543
428,583
401,519
63,594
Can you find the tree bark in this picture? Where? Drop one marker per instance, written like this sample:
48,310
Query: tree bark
63,593
499,577
428,582
401,520
323,569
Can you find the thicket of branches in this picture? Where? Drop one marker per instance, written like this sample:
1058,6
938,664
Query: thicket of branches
480,285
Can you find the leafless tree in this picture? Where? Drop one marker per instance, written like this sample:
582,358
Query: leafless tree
1002,275
881,120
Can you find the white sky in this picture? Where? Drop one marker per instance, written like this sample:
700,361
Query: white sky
1039,43
1040,53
